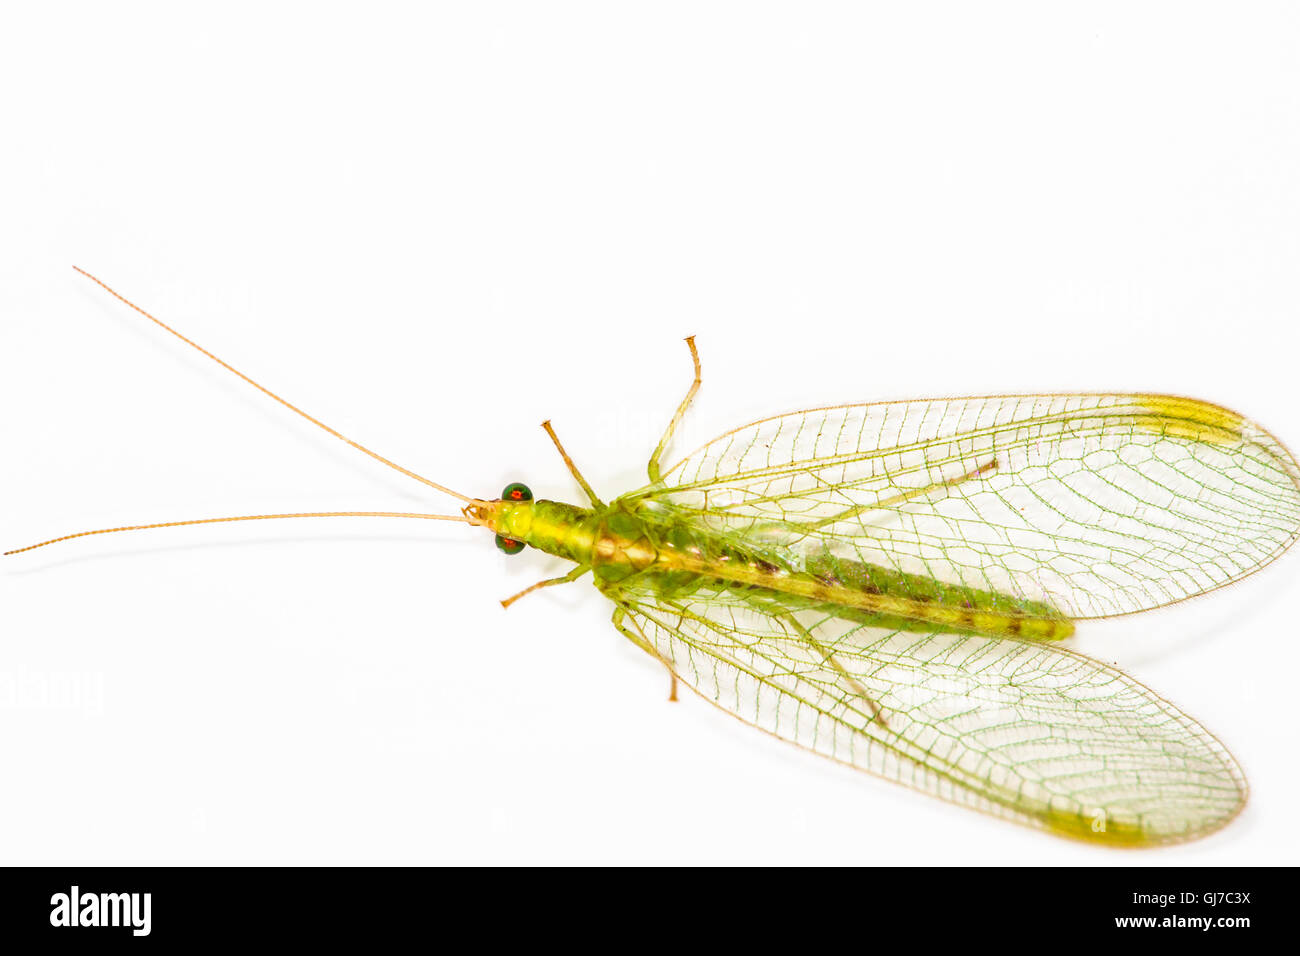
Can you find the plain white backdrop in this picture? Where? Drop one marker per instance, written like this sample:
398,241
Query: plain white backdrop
434,226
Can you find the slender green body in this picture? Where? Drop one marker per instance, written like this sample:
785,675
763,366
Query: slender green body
674,554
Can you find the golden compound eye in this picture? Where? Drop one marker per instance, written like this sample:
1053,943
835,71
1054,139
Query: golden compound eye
516,491
509,545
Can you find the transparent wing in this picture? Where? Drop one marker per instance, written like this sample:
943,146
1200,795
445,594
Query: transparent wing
1095,504
1028,731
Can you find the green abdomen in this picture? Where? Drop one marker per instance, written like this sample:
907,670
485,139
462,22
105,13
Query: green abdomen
675,557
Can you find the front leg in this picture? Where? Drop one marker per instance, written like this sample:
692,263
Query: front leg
573,575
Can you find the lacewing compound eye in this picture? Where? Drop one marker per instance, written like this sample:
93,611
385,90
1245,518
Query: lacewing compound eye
516,491
509,545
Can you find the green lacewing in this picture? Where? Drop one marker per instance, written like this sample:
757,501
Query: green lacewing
892,586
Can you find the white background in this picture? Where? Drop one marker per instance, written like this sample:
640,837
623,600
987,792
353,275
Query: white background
433,226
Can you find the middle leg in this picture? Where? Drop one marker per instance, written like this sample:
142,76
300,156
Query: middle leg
653,467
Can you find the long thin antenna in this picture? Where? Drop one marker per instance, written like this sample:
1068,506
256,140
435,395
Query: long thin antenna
293,408
312,514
